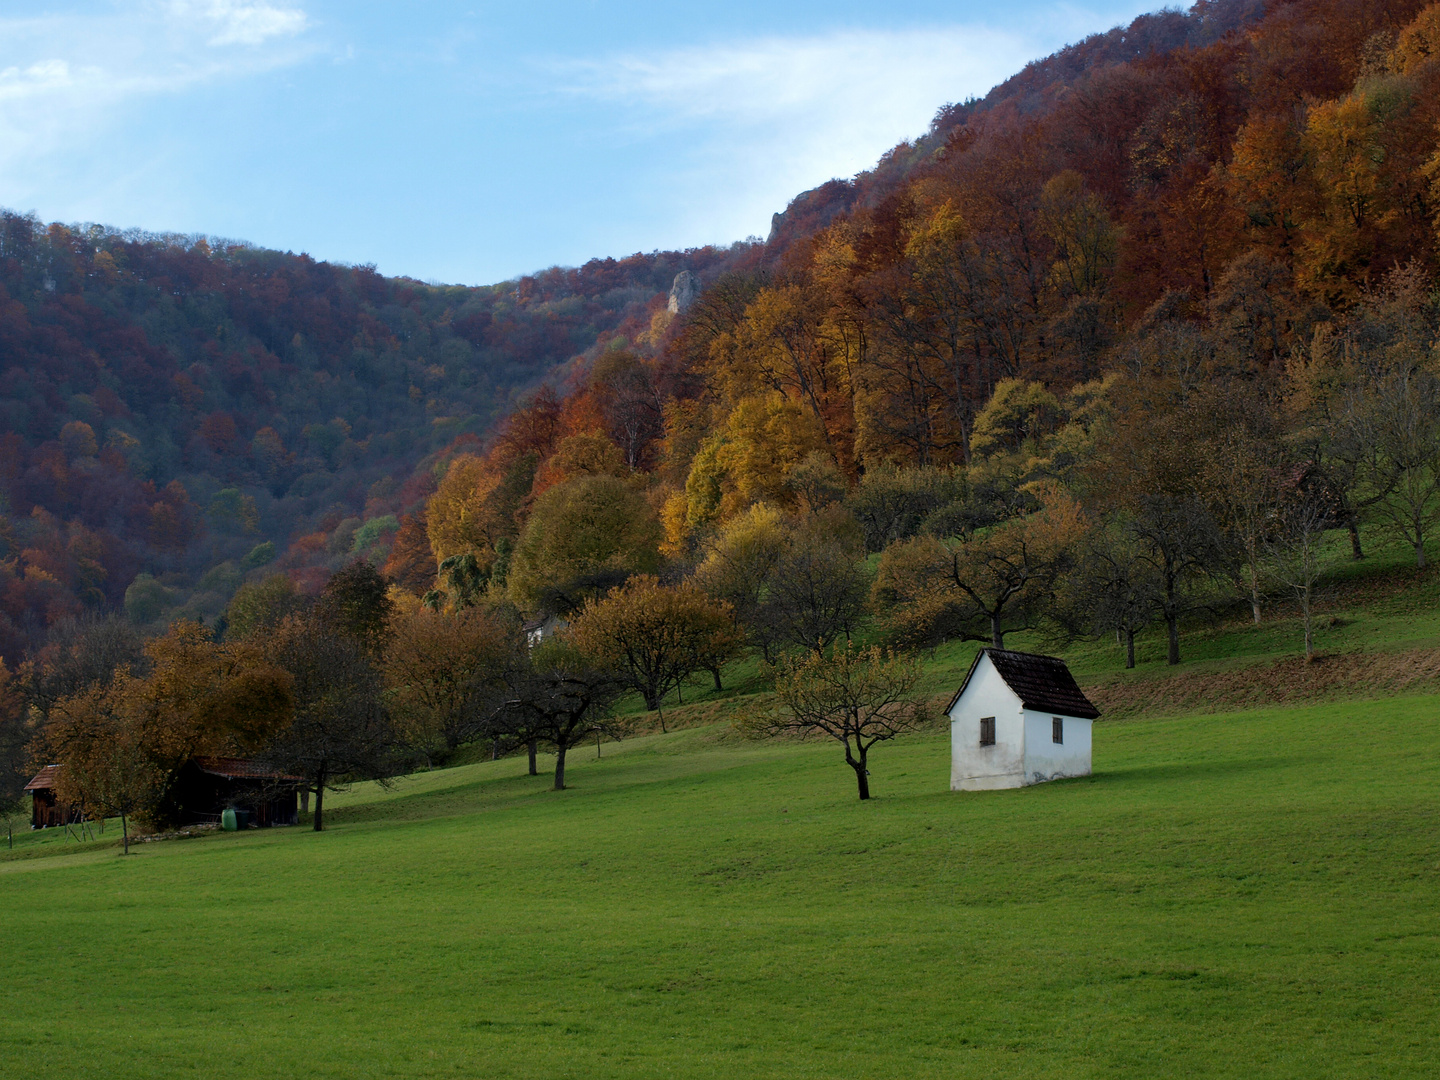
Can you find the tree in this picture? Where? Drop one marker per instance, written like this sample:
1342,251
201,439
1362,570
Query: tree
444,672
356,602
1244,472
981,585
561,697
583,537
857,697
1110,590
1402,421
259,605
99,735
817,591
1295,561
740,562
339,729
14,736
656,635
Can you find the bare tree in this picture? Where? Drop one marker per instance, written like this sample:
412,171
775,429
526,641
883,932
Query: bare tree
816,592
1294,558
1401,420
858,698
562,698
340,730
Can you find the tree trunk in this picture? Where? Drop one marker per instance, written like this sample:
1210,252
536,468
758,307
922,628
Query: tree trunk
715,671
494,749
1172,630
1420,554
1129,647
532,748
319,807
1354,527
862,777
304,800
559,767
997,638
1309,624
125,831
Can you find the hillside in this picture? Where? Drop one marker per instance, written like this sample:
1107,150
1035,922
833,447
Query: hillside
1228,896
175,412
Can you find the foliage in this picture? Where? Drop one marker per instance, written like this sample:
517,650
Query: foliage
443,673
583,537
656,635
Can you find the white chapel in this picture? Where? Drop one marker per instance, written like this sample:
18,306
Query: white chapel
1018,719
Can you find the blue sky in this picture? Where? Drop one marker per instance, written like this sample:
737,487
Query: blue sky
472,142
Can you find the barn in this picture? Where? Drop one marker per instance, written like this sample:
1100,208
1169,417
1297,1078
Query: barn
1018,719
207,786
45,808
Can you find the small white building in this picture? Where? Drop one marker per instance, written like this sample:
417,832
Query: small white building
1018,719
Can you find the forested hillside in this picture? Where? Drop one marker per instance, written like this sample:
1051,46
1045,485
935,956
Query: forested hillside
174,413
1190,261
1149,316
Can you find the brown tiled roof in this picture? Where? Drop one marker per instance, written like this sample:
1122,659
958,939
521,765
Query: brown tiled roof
1043,683
44,779
238,768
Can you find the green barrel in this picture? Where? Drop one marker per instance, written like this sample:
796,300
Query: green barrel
228,822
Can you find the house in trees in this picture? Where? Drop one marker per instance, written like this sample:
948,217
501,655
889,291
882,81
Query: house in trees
45,808
1018,719
208,786
542,629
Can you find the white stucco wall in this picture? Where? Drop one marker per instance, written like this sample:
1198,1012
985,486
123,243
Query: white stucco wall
984,768
1047,760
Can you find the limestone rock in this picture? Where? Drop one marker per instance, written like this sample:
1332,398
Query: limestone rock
684,292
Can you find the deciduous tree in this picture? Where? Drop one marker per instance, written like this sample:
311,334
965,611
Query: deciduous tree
858,697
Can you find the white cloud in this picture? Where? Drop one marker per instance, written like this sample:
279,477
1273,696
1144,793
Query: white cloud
758,121
65,79
242,24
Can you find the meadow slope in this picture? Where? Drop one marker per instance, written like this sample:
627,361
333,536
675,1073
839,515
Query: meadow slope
1238,895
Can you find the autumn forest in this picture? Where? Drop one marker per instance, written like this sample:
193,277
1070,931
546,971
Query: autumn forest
1106,350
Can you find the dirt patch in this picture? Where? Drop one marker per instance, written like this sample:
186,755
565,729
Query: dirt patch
1282,682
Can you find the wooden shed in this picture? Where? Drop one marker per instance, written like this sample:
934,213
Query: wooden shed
208,786
45,808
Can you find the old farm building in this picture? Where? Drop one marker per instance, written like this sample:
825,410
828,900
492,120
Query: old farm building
204,788
1018,719
45,808
207,786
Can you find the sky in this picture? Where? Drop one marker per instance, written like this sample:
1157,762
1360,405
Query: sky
473,142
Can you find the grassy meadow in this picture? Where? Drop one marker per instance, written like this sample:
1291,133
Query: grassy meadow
1241,895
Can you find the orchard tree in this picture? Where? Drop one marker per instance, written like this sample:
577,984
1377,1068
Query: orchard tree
656,635
984,584
561,697
339,729
104,739
445,671
857,697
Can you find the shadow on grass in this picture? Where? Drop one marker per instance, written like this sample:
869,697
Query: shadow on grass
1194,770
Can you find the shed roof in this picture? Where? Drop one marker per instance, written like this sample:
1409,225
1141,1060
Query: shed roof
1042,683
239,768
44,779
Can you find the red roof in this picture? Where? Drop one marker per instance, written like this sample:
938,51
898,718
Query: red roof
237,768
44,779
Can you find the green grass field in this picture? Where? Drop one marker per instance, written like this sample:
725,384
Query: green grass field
1246,895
